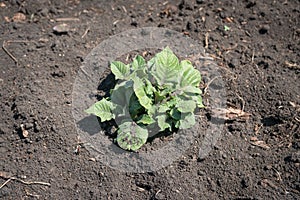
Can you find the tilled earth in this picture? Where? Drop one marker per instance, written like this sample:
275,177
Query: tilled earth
256,43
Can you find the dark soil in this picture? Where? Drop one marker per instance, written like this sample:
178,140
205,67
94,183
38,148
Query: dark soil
259,53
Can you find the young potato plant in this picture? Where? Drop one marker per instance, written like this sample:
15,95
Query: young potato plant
162,92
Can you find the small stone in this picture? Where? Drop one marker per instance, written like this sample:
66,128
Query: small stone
268,167
186,4
295,157
28,125
19,17
190,26
37,128
201,173
53,128
246,182
234,63
44,12
134,23
53,10
58,74
213,185
61,29
2,5
264,29
224,156
200,1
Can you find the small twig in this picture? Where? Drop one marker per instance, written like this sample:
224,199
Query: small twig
157,193
66,19
278,174
124,9
292,65
258,129
85,32
252,58
230,48
165,3
20,180
85,72
206,40
243,101
210,82
127,57
8,53
205,58
32,195
5,183
30,182
115,22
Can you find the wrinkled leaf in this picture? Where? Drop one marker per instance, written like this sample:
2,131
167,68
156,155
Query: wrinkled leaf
120,70
177,124
187,120
191,90
186,106
151,111
139,68
189,75
166,67
149,88
173,101
138,63
163,108
175,114
139,89
146,119
198,100
131,136
134,106
163,122
121,95
102,109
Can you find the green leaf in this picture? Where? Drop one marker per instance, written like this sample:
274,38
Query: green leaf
186,106
175,114
187,120
173,101
121,95
163,108
138,63
151,63
146,119
226,28
198,100
139,89
161,94
189,75
134,106
163,122
139,68
149,88
191,89
166,68
131,136
102,109
177,124
151,111
120,70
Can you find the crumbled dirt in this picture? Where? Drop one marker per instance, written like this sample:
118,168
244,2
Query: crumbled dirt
255,42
